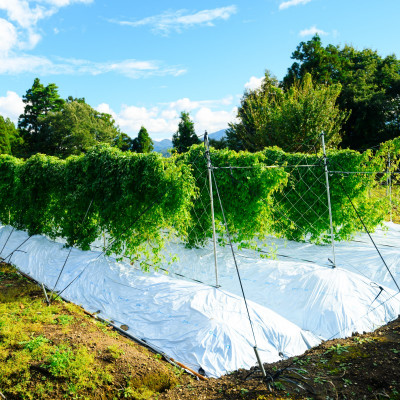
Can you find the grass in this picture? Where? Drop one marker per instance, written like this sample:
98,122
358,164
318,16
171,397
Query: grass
57,351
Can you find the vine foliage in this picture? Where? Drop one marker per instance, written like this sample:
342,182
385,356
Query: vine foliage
139,201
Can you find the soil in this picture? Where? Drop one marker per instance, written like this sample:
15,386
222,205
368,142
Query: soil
135,371
364,366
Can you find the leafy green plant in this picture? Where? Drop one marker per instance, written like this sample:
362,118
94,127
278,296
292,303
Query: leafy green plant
243,391
395,351
60,361
319,380
115,351
65,319
279,386
337,349
300,210
359,340
34,343
245,191
141,200
134,198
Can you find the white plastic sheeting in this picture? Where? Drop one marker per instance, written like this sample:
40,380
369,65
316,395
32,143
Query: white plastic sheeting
207,327
195,324
328,302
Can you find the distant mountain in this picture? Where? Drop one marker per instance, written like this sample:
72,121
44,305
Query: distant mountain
217,135
164,145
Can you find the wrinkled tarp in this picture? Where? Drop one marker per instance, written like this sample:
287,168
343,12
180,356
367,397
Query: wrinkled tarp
330,302
198,325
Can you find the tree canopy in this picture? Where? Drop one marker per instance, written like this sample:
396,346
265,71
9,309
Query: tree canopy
185,136
74,129
9,137
53,126
370,88
292,119
39,101
143,142
123,142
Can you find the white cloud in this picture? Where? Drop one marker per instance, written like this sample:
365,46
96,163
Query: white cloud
186,104
106,109
26,14
290,3
181,19
25,63
312,31
162,121
254,83
64,3
11,106
19,32
169,114
212,121
134,69
8,35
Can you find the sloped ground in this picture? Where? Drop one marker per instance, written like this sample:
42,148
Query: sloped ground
59,352
363,366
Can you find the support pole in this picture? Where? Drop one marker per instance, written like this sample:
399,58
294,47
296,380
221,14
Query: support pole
45,295
389,186
12,230
209,166
329,199
260,364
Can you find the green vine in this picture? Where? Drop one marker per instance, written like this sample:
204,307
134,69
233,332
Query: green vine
139,201
134,198
301,210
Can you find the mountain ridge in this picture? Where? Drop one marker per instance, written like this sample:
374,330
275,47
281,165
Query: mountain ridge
164,145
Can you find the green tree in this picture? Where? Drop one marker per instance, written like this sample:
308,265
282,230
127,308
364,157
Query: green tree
256,106
143,142
70,99
123,142
10,139
370,88
185,136
218,144
291,119
74,129
39,101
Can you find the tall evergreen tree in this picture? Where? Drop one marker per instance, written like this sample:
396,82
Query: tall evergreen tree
185,136
39,101
143,142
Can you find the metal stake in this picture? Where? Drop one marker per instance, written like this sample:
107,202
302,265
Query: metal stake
260,364
329,199
45,295
389,186
209,166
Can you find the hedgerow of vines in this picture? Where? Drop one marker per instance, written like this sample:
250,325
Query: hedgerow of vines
140,200
298,210
259,199
134,198
246,191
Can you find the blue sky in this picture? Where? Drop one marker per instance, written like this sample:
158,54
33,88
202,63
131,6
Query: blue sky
146,61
